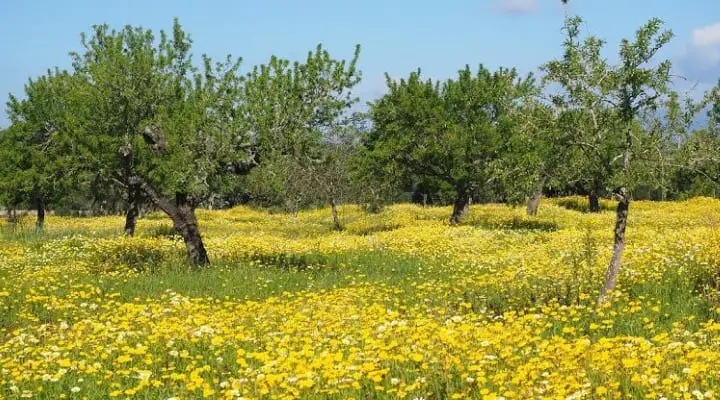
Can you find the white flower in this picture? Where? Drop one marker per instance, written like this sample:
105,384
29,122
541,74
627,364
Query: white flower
469,379
394,381
75,389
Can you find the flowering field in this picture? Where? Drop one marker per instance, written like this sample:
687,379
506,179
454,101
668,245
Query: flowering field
399,305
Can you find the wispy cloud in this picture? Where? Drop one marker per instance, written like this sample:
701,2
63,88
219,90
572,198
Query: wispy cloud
517,6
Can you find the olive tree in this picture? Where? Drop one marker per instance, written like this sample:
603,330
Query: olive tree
36,170
454,132
155,124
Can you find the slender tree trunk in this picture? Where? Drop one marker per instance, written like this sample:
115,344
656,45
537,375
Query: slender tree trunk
460,208
425,196
184,220
534,200
133,210
11,216
336,219
594,201
619,243
40,221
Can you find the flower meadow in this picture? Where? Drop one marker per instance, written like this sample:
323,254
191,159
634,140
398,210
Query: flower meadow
398,305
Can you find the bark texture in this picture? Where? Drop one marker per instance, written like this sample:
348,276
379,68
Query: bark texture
40,221
460,208
534,201
336,219
184,220
594,200
133,210
621,218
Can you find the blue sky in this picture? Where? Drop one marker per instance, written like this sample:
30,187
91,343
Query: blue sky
396,36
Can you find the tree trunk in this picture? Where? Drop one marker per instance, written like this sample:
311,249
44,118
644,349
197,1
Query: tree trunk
594,201
534,200
40,221
460,208
186,224
424,196
619,243
336,220
184,220
11,216
132,211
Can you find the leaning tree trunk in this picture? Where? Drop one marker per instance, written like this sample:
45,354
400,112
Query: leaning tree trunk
184,221
534,200
619,243
336,219
460,208
594,200
186,224
133,210
40,221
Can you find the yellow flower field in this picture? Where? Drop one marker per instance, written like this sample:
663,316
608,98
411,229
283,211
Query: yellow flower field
399,305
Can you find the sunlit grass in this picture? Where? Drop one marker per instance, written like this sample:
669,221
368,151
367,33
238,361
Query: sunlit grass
399,305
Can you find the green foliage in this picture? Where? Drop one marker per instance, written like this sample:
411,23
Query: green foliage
147,111
603,106
36,170
453,132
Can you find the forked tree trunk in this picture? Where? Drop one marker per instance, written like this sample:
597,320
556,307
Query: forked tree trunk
184,221
460,208
534,200
40,221
619,244
336,219
594,200
133,210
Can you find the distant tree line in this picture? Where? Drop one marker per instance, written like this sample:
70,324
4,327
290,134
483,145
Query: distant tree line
137,124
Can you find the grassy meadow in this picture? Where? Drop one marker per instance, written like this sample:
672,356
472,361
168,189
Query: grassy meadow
398,305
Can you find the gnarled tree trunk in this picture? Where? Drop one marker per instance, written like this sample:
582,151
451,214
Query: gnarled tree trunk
461,207
619,243
186,224
534,200
336,219
184,220
40,221
133,210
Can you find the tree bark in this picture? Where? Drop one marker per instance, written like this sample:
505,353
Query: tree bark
424,197
40,221
619,243
460,208
336,219
133,210
534,200
184,220
186,224
594,201
11,216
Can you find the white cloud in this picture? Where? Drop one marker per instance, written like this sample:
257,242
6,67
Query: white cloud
518,6
701,61
706,36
